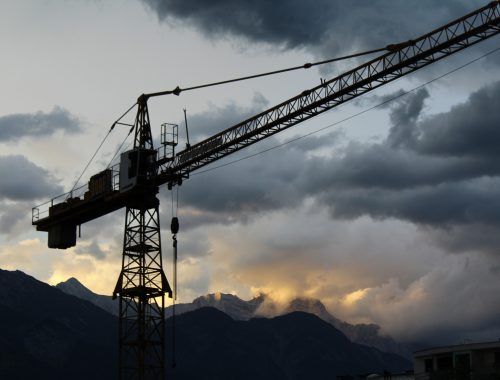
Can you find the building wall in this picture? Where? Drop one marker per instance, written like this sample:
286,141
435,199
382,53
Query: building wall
484,363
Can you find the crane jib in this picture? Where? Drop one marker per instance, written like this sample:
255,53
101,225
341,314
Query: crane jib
400,60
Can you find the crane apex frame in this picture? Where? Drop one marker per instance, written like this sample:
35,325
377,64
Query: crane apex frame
135,182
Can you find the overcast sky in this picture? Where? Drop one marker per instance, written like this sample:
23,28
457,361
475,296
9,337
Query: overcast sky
391,217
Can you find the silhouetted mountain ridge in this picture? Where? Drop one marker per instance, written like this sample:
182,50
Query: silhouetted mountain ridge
367,334
75,288
48,334
293,346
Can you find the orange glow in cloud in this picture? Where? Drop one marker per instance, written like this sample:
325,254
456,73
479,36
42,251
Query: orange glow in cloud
354,297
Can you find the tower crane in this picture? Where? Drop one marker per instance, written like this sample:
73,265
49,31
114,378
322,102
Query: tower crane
134,183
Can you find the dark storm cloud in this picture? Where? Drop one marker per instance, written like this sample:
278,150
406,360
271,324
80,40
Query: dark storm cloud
39,124
324,26
24,180
467,130
292,23
474,201
440,170
382,167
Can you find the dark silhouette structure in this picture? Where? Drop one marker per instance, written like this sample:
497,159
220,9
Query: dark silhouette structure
142,284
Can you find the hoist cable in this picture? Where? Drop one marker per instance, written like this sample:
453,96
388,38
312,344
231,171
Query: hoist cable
174,227
400,95
174,216
174,297
172,203
308,65
177,201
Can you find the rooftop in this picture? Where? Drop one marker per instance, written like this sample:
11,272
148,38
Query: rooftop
457,347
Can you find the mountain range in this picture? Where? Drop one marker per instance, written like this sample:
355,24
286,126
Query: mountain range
46,334
238,309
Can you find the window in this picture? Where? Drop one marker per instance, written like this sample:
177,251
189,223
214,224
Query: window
462,362
428,365
497,358
444,363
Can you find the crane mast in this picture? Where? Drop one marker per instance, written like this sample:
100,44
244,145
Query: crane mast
142,284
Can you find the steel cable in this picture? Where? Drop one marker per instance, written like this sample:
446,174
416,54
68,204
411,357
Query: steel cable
178,90
400,95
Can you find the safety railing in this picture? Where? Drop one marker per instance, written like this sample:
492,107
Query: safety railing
72,197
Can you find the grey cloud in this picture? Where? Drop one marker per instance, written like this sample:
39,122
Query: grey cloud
216,119
384,100
39,124
91,249
381,101
14,218
404,117
237,193
311,143
437,295
229,195
24,180
474,237
201,217
412,175
250,186
108,227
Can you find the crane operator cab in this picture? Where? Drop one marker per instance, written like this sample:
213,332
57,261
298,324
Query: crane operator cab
137,172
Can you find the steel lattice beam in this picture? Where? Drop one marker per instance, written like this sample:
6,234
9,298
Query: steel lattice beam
141,288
